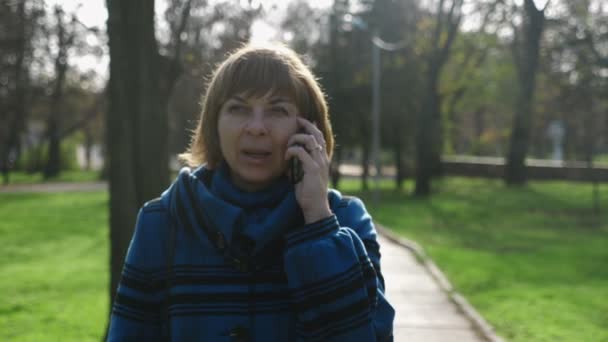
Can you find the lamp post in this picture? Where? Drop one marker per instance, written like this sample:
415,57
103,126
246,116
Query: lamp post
377,46
376,117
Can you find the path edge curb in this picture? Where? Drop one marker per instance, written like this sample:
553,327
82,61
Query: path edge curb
54,187
480,325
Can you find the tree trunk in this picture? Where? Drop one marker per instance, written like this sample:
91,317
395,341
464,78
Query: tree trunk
478,129
429,134
335,167
10,152
10,149
453,120
136,124
526,58
64,41
53,162
365,165
428,145
398,154
88,146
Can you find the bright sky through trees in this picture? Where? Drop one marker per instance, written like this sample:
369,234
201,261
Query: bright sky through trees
93,13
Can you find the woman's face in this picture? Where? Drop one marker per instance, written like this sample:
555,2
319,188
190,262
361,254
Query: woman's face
253,134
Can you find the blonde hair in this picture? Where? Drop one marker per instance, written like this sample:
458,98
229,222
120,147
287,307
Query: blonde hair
256,71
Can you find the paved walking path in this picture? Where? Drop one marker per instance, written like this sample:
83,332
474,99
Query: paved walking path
424,310
54,187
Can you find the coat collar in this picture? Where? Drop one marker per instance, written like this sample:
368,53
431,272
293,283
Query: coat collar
210,217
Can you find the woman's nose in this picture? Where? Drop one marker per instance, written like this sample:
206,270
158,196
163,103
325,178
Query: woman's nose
257,123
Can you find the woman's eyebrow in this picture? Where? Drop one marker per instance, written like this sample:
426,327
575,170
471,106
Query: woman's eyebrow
276,100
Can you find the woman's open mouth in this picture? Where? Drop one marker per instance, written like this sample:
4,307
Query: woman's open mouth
256,156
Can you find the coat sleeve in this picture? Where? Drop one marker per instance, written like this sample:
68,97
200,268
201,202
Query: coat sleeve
333,272
139,302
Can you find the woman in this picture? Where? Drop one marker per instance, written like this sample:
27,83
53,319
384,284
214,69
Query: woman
253,251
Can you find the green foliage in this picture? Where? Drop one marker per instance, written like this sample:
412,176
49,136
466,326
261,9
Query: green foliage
489,142
531,260
601,159
479,86
54,266
34,159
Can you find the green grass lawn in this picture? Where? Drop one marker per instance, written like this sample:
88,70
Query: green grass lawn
533,261
53,266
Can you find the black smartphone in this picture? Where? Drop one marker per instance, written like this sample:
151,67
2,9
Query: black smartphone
295,170
296,173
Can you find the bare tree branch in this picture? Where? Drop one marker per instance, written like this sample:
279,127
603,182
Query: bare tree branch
90,115
185,15
439,27
453,26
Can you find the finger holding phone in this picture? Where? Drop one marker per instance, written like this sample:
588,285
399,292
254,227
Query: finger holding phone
308,146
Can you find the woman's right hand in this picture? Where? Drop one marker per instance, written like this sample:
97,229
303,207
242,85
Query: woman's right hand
311,191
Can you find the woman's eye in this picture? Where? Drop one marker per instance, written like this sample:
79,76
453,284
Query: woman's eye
279,111
238,109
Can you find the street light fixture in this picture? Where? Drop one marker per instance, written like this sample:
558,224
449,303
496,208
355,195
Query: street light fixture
377,46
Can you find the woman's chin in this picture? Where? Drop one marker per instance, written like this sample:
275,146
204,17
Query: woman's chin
252,180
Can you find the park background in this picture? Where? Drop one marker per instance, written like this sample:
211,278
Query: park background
486,119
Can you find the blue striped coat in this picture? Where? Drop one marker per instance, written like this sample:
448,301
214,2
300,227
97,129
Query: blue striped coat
318,282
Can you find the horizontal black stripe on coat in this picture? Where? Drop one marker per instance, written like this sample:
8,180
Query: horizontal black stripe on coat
371,246
145,273
322,285
368,268
215,267
145,317
370,277
161,271
137,304
333,295
224,267
313,234
261,279
228,269
131,316
381,279
336,329
326,284
131,277
147,287
312,227
228,297
326,319
194,280
183,312
230,305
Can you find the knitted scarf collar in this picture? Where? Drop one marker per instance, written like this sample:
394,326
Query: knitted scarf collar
267,198
251,223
